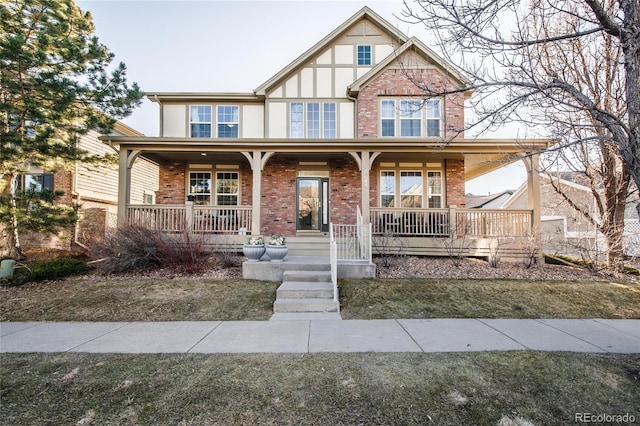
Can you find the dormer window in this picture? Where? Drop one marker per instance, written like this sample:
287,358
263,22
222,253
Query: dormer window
364,55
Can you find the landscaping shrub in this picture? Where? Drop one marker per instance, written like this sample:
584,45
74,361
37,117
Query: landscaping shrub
52,269
135,248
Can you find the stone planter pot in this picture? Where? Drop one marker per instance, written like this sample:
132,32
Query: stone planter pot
277,253
253,252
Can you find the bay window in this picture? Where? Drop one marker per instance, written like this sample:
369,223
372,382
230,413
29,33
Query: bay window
411,189
406,189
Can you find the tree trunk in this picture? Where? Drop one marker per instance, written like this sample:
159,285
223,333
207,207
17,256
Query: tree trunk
631,49
12,246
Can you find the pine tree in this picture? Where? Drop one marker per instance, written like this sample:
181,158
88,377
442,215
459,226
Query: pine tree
56,83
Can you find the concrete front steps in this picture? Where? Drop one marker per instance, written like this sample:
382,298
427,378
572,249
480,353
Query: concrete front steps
306,295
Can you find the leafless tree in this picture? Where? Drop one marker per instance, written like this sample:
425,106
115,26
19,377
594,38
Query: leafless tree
515,57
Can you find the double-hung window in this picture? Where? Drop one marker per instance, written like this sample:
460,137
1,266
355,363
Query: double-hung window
387,188
434,189
227,188
200,121
388,117
329,120
313,120
200,187
228,121
433,117
411,189
410,118
224,191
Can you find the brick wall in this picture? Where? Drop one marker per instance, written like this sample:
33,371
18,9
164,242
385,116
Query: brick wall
394,82
172,184
278,202
454,183
345,190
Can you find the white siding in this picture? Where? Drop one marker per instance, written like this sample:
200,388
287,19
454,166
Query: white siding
278,120
382,51
346,120
253,121
323,81
344,54
344,77
97,181
325,58
174,121
292,87
277,92
144,180
306,80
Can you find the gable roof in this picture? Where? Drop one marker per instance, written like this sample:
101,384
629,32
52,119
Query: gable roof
415,45
365,12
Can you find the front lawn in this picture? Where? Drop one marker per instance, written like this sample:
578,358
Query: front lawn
95,298
490,388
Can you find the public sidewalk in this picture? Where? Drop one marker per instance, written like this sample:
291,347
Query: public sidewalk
313,336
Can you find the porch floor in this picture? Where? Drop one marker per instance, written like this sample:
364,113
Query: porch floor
274,271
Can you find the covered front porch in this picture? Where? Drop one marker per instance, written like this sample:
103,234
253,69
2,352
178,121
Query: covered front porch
349,174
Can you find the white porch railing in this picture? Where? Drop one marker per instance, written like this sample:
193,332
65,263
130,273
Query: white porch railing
438,223
206,219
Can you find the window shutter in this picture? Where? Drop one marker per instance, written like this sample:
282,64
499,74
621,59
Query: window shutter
47,181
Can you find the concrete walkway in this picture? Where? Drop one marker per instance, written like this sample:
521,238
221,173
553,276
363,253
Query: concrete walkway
314,336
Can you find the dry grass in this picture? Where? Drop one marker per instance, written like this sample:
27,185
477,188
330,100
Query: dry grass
432,298
516,388
97,298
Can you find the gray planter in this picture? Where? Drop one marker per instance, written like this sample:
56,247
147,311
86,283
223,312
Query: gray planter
253,253
277,253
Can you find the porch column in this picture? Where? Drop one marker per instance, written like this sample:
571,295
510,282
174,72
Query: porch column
124,184
365,159
256,193
257,160
532,163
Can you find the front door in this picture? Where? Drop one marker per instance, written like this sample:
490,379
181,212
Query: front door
312,210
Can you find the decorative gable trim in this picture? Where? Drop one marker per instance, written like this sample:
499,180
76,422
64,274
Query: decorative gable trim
323,44
417,46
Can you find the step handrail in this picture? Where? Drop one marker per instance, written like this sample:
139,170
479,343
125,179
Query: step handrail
333,260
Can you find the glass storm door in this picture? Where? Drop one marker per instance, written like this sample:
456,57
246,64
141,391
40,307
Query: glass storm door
313,204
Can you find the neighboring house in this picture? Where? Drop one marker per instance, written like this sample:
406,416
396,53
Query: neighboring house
94,187
565,230
490,201
338,136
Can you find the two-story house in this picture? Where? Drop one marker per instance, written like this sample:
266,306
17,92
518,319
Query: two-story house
343,133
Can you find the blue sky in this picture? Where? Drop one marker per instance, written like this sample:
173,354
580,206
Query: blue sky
233,46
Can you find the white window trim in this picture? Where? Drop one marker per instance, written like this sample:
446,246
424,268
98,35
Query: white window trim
217,123
237,194
321,129
213,193
399,117
190,122
371,60
397,171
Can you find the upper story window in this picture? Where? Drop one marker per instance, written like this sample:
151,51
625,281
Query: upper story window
200,121
364,55
228,121
313,120
410,118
